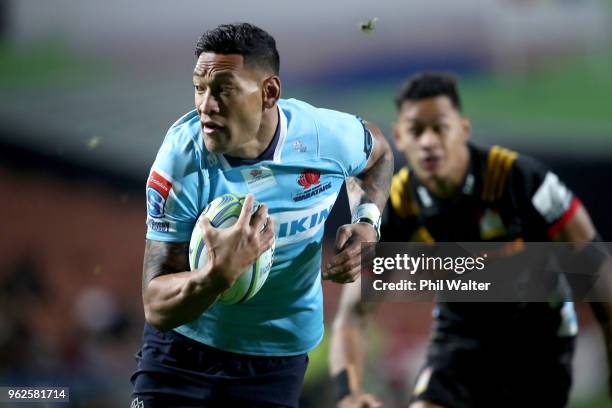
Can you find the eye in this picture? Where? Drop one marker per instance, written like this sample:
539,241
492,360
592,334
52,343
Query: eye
415,130
198,88
225,89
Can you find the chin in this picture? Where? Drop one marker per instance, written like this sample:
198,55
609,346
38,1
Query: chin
427,174
213,147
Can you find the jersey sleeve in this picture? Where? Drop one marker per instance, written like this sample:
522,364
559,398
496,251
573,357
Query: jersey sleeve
172,191
345,139
549,202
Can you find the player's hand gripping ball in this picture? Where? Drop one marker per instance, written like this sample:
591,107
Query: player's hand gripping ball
223,212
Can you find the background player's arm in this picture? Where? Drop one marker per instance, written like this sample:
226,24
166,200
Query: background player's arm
348,348
173,295
580,230
374,183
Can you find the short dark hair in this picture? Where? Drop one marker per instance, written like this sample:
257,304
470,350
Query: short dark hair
254,44
428,85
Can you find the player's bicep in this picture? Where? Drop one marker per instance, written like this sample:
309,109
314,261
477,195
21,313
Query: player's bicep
379,146
163,258
579,228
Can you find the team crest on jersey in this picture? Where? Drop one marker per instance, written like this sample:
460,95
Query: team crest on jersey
158,189
258,178
310,181
491,225
309,178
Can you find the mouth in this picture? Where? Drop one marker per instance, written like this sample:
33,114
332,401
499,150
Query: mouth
209,127
430,163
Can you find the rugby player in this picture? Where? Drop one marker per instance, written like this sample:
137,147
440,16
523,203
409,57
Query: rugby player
242,138
480,355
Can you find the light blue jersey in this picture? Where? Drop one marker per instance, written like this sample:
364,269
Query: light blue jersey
316,150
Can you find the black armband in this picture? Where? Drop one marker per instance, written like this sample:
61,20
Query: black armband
341,385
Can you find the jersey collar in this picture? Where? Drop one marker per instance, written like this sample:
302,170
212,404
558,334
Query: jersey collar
280,136
429,201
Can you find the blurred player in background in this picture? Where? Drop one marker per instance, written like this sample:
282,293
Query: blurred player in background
242,138
480,355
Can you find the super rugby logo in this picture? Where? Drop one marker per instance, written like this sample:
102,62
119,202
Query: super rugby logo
158,189
310,180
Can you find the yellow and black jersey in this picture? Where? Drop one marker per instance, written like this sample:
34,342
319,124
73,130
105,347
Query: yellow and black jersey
505,196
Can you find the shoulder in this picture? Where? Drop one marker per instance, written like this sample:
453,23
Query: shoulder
182,148
184,134
324,119
498,164
499,161
400,195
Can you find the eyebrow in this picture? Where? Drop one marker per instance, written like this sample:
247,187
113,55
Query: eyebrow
217,77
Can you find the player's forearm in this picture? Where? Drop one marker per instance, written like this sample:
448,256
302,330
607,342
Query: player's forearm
348,347
175,299
603,313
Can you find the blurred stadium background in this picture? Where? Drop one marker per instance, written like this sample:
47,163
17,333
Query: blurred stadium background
87,90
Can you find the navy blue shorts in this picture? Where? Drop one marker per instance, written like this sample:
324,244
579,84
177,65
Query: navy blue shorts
175,371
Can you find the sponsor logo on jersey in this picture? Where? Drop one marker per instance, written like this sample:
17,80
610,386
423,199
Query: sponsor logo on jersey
259,178
137,403
158,189
159,226
294,226
468,186
310,180
424,196
552,199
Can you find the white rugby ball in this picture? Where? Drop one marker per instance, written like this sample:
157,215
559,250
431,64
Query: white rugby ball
223,212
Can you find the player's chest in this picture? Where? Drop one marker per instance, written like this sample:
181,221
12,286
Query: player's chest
469,222
283,187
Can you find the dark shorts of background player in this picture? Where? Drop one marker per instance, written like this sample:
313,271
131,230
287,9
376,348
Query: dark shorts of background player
467,377
175,371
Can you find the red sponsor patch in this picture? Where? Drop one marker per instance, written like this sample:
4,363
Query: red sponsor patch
159,184
309,178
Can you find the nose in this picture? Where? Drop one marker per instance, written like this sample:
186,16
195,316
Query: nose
207,103
429,139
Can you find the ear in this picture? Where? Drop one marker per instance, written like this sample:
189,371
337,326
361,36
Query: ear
271,91
467,127
397,138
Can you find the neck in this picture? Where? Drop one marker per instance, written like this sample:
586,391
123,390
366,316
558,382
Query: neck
263,138
448,186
